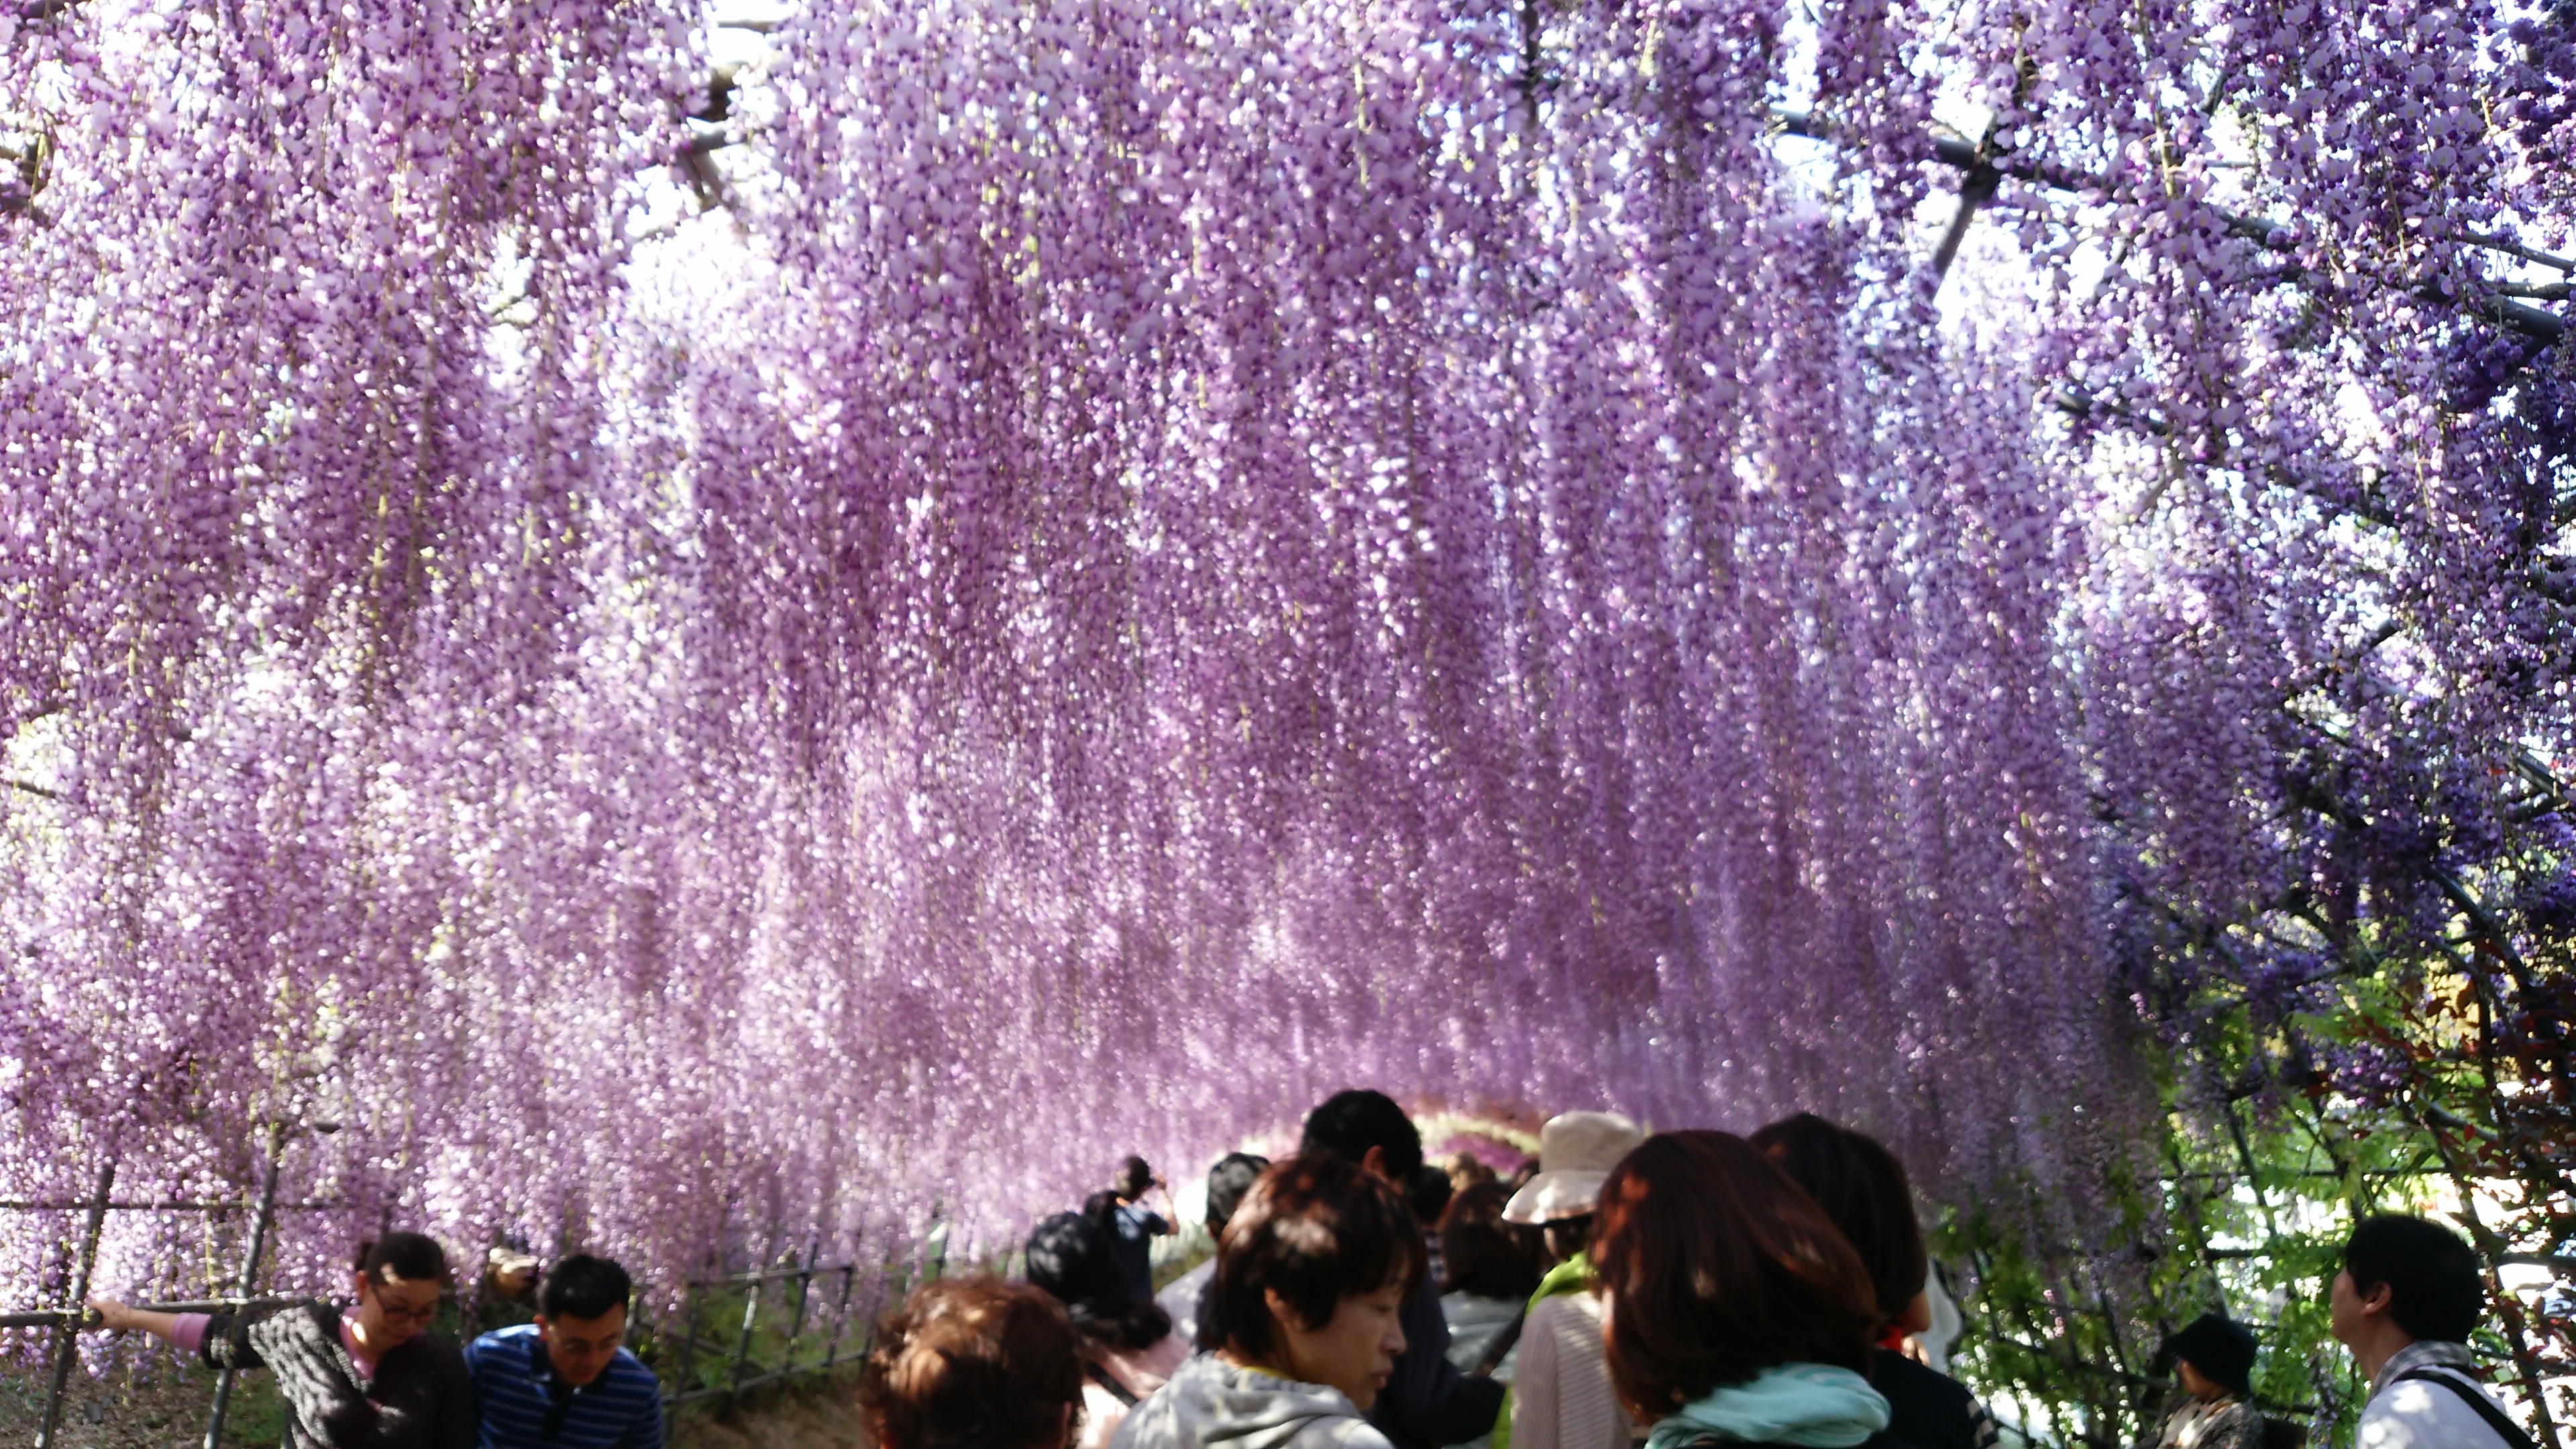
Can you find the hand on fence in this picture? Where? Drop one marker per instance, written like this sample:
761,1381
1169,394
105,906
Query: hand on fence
109,1315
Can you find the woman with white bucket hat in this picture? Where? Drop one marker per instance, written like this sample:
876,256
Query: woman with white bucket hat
1561,1395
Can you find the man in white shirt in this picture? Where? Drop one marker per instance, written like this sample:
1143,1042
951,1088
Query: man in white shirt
2405,1303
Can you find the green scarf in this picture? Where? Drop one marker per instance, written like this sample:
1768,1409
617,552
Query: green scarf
1571,1276
1813,1405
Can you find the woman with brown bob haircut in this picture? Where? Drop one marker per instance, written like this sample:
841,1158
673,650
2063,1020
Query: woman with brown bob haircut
1737,1312
1314,1267
973,1363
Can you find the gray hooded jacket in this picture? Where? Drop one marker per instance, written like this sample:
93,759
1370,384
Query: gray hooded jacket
1210,1404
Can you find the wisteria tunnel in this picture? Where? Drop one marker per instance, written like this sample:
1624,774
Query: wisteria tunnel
739,635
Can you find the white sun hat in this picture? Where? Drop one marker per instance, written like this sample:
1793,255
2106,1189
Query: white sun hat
1576,1151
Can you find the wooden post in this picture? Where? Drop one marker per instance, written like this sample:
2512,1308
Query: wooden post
841,1319
796,1324
742,1345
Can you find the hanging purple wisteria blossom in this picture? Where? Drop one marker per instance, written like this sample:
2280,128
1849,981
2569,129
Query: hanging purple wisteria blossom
735,665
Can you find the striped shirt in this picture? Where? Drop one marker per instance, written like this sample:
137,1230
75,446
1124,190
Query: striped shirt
1561,1391
516,1399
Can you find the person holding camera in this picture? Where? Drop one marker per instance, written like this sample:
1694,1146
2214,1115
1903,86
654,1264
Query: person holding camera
1132,1226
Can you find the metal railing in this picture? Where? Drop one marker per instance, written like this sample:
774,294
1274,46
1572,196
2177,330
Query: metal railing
755,1359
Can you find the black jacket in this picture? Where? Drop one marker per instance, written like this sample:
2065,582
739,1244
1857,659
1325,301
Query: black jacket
420,1397
1428,1403
1925,1408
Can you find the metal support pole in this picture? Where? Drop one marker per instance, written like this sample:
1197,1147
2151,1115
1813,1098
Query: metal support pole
841,1319
67,1333
686,1378
1975,191
249,1277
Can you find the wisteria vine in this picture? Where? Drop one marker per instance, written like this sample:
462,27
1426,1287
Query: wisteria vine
738,665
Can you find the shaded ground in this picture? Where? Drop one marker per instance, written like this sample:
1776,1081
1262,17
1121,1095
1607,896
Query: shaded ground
151,1405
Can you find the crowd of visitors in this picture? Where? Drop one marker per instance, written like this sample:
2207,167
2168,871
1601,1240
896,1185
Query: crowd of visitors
1673,1290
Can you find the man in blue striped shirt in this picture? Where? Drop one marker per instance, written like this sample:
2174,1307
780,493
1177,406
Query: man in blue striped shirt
566,1381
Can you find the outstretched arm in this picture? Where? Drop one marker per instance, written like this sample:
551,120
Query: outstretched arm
207,1335
170,1328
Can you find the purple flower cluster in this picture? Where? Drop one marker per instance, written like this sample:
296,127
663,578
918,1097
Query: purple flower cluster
1143,561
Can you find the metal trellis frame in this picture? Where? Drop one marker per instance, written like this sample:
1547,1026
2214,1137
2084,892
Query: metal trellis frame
67,1334
249,1278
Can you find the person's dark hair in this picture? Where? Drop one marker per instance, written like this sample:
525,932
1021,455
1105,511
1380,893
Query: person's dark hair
1101,1207
1314,1230
409,1256
2221,1348
1132,1329
1718,1266
1228,1181
972,1363
1350,1123
2432,1275
1134,1177
1862,1187
1483,1254
582,1286
1073,1259
1430,1195
1466,1169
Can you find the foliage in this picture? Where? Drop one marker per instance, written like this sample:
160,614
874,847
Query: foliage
2397,1074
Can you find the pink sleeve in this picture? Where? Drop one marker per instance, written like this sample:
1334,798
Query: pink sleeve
188,1334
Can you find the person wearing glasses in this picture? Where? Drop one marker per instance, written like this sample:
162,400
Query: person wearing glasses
369,1376
567,1380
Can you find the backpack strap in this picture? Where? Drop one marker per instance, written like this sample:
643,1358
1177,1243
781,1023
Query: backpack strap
2505,1429
1109,1381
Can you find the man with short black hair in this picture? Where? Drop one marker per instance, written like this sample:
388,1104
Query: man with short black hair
1427,1402
566,1381
2405,1303
1185,1297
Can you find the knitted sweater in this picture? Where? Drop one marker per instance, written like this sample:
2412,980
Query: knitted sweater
418,1398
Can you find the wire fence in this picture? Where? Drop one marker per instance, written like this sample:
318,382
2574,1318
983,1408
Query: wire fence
731,1333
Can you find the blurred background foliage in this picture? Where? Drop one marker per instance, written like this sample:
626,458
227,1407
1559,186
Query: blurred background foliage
2399,1069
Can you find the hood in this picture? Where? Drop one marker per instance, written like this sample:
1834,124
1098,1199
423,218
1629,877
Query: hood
1210,1404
